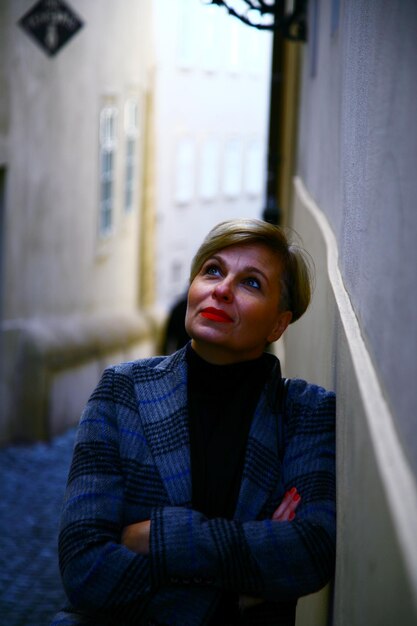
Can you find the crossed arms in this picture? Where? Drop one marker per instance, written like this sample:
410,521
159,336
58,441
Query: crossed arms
109,559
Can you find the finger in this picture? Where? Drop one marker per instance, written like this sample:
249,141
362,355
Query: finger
289,513
286,510
284,516
285,503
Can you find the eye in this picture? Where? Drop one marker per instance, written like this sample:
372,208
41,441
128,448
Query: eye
252,282
212,270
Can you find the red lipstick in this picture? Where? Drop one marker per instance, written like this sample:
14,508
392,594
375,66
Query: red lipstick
217,315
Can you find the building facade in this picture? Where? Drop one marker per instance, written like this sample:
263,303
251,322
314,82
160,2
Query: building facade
118,152
211,85
72,149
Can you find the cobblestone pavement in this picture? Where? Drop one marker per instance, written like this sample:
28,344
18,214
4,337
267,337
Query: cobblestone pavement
32,480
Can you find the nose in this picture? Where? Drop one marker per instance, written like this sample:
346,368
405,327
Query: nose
223,291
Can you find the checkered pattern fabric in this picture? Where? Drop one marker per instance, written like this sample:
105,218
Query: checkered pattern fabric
132,462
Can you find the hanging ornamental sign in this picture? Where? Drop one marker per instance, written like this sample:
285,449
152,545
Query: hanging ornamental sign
51,23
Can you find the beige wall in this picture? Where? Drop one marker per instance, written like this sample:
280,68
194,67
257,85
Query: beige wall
376,569
357,155
55,262
66,288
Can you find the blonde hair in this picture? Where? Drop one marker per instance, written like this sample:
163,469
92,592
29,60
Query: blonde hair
297,274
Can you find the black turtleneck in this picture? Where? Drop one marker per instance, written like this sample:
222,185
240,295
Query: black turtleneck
221,400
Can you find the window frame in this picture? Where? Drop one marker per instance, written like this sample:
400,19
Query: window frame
107,168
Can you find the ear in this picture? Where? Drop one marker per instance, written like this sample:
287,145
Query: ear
283,320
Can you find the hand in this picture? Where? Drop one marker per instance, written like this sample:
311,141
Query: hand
136,537
286,510
284,513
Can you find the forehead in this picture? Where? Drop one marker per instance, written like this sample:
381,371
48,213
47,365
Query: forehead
252,253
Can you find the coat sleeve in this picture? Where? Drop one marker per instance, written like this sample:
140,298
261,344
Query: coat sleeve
97,572
264,558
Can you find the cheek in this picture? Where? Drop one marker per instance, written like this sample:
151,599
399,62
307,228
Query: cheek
266,317
191,295
196,291
192,300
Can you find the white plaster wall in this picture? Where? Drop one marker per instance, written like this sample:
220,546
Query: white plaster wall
55,264
357,157
192,101
64,287
376,565
357,154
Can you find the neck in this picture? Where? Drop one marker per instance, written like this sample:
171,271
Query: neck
217,356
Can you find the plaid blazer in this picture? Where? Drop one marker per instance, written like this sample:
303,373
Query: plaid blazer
132,462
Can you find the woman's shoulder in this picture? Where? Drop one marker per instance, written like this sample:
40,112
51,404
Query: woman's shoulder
305,395
118,382
146,366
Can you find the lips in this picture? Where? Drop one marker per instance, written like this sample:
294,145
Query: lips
216,315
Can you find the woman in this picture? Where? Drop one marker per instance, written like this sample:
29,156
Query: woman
200,492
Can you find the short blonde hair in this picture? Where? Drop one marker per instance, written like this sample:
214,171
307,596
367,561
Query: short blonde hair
297,275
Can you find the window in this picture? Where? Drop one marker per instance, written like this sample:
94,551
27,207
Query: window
131,133
212,38
184,171
108,118
209,169
251,50
186,34
255,168
232,172
234,45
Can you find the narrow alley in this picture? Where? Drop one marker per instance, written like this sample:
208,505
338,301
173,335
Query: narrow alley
32,485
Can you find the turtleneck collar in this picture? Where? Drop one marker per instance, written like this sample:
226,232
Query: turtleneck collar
203,374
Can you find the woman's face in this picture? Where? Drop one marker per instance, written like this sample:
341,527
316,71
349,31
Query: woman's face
233,304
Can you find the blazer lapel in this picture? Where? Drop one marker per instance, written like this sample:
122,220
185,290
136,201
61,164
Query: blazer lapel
262,468
162,399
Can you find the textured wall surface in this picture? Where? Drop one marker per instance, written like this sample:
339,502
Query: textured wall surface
55,262
376,564
61,278
357,158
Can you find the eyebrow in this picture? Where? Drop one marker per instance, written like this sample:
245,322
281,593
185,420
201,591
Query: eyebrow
250,269
254,270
